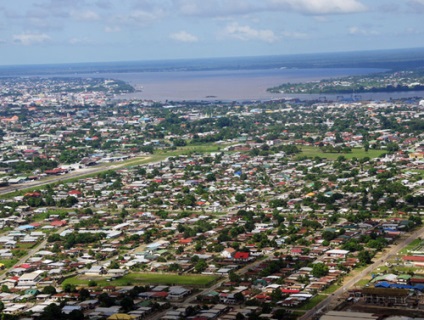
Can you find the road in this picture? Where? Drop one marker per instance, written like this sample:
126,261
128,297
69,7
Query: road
71,175
321,307
31,253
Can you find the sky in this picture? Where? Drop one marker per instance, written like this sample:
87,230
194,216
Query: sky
68,31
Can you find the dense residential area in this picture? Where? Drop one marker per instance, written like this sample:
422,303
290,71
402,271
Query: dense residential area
134,209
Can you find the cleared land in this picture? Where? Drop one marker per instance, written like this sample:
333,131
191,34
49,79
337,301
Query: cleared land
358,153
146,278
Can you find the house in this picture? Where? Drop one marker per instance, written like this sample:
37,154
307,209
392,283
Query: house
29,279
58,223
415,260
336,253
177,293
228,253
96,270
241,256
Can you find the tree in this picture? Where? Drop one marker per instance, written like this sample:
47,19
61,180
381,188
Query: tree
54,237
240,197
69,287
49,290
319,270
211,177
114,265
364,257
84,294
200,266
52,311
234,277
92,283
392,147
239,297
179,142
76,315
127,304
240,316
280,314
5,288
224,122
366,146
105,300
276,295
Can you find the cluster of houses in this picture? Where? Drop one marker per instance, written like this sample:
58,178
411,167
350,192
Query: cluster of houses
226,209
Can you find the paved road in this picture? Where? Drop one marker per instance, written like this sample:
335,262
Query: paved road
71,175
352,281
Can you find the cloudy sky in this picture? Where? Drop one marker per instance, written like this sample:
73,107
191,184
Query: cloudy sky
56,31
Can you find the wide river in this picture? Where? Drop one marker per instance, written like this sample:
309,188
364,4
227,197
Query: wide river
232,85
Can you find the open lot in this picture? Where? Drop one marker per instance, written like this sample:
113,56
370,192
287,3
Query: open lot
145,279
358,153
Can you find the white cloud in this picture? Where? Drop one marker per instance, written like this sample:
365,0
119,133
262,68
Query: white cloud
319,6
245,33
139,17
28,39
86,15
183,36
223,8
354,30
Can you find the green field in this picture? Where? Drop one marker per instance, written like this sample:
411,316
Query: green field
358,153
9,263
312,302
146,278
362,283
331,288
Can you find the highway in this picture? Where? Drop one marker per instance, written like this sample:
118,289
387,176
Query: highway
322,306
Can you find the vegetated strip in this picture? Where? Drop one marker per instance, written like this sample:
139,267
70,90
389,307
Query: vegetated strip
149,278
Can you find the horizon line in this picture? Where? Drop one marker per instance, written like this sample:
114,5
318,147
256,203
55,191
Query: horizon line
208,58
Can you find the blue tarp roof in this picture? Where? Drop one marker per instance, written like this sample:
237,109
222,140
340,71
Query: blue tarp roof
419,287
383,284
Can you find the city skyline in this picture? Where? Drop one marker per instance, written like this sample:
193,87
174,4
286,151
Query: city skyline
61,31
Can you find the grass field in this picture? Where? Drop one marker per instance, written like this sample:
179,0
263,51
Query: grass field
331,288
361,283
146,278
358,153
313,302
26,246
8,263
